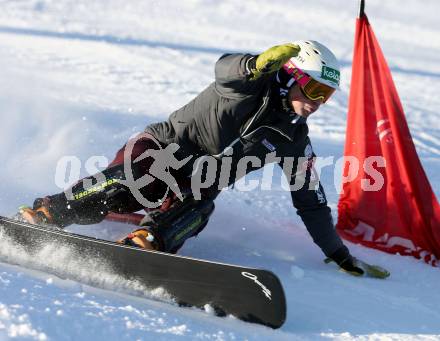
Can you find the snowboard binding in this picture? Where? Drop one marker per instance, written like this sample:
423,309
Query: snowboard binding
38,215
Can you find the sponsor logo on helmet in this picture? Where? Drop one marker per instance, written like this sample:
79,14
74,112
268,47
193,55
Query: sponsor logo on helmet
330,74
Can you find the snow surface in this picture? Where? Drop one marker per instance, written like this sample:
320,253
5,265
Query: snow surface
78,78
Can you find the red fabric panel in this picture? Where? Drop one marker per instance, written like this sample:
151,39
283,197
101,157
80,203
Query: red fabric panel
403,216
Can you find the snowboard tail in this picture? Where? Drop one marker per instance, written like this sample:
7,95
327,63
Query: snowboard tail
250,294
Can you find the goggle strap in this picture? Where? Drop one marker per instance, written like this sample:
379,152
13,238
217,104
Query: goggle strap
299,75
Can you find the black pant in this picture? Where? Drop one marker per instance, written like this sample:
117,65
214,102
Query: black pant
91,204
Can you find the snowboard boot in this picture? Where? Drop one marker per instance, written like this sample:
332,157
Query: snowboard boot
166,229
38,215
141,238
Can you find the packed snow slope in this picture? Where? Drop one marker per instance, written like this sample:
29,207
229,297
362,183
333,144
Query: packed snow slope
78,78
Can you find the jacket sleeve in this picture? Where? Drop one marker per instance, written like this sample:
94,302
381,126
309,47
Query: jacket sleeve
309,199
232,76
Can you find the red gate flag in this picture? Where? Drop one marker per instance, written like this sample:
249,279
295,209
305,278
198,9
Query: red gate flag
386,202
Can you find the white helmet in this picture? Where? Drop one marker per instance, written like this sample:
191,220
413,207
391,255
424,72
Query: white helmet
318,62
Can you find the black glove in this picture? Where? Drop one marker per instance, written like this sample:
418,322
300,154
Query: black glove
356,267
346,261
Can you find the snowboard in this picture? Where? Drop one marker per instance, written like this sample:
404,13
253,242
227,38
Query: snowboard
250,294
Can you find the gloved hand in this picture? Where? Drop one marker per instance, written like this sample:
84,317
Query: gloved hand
346,261
273,59
355,266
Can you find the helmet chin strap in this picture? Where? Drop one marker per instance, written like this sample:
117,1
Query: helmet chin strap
283,83
287,105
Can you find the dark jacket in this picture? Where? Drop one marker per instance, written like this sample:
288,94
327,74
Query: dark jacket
242,114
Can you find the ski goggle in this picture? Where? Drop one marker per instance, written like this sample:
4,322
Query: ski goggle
311,88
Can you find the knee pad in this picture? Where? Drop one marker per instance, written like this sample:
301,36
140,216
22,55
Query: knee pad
82,204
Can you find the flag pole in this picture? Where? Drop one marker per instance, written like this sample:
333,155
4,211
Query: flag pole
361,8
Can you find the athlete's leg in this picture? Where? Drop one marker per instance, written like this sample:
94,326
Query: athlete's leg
92,198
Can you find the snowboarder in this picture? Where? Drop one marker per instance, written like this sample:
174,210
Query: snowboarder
257,105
